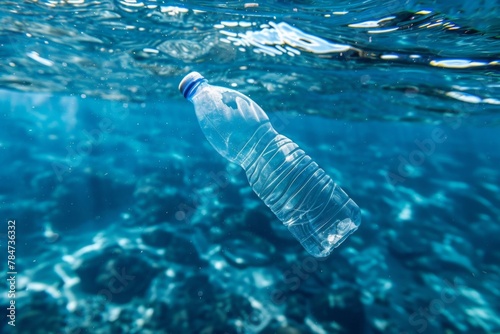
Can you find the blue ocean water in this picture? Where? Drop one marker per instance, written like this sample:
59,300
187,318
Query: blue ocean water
128,221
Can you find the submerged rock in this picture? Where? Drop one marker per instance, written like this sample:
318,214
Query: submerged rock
193,305
339,311
40,315
247,250
157,199
116,274
178,248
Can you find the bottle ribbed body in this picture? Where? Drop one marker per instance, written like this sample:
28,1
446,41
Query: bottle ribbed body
315,210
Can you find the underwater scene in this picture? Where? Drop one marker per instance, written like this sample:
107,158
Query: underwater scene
118,216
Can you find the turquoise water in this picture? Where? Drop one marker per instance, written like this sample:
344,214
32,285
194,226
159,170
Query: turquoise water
127,220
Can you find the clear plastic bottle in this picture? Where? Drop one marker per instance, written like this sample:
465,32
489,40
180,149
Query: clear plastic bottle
316,211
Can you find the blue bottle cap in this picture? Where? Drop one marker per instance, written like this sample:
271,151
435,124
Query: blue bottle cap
189,82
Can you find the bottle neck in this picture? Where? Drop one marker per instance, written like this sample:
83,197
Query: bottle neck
192,87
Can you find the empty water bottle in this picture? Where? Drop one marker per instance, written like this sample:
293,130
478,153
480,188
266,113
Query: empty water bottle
316,211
